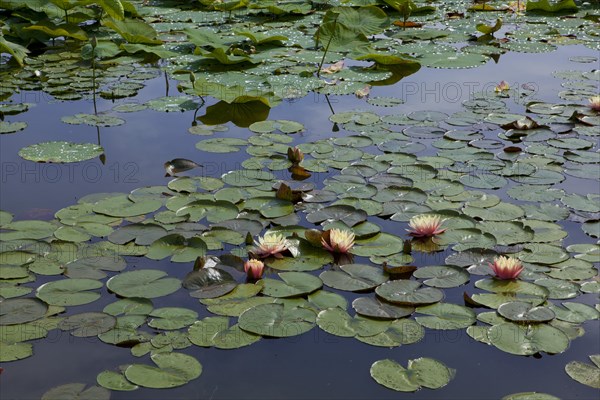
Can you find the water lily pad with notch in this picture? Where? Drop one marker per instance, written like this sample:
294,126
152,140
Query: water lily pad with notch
122,206
248,178
382,244
445,276
178,248
142,234
292,284
585,373
527,340
15,351
465,238
405,292
172,318
129,306
399,332
339,323
559,289
281,125
74,391
115,381
542,253
269,207
516,287
575,312
421,372
148,283
214,211
518,311
172,370
19,311
445,316
507,233
500,212
209,283
354,277
495,300
347,214
309,258
88,324
276,320
375,308
69,292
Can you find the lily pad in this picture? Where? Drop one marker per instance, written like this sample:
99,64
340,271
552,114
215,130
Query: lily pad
276,320
354,277
585,373
148,283
405,292
69,292
421,372
172,370
292,284
61,152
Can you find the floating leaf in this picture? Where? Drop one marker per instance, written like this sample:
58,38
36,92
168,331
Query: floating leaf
406,292
276,320
61,152
421,372
354,277
584,373
69,292
149,283
172,370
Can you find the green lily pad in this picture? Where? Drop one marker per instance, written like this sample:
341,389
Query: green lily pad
528,339
445,316
15,351
74,391
61,152
421,372
292,284
584,373
208,283
69,292
19,311
276,320
442,276
405,292
519,311
354,277
88,324
114,381
171,318
374,308
338,322
122,206
172,370
149,283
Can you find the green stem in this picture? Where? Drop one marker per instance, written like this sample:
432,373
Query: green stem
327,48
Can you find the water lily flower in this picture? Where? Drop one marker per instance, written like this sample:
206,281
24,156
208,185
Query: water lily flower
270,245
595,103
425,225
502,87
295,155
254,268
338,240
506,267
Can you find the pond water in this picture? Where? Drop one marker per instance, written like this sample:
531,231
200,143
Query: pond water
425,138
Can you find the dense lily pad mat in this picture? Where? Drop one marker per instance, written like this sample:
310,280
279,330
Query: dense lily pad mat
384,167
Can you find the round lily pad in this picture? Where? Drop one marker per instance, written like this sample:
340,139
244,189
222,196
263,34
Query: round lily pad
172,370
75,391
19,311
405,292
148,283
354,277
528,339
69,292
519,311
88,324
585,373
292,284
374,308
421,372
276,320
445,316
442,276
61,152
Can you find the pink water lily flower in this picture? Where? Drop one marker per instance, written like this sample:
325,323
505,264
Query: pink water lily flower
595,103
506,267
270,245
254,268
425,226
338,240
502,87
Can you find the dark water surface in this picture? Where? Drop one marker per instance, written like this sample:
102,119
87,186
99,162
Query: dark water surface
315,365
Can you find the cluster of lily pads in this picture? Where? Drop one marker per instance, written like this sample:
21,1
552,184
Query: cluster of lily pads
378,177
